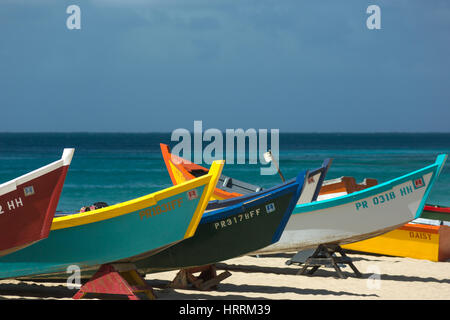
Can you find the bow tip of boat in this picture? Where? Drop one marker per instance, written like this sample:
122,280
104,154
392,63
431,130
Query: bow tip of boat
67,156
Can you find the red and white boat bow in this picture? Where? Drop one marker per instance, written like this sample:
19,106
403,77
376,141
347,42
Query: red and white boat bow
28,204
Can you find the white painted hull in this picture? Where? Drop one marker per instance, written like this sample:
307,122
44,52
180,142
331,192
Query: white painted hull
345,219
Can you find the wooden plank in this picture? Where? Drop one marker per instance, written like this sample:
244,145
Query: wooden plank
208,279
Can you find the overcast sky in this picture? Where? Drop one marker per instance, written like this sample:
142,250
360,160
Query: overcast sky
294,65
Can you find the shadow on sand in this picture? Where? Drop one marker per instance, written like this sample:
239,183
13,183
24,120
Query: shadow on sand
23,290
324,272
242,291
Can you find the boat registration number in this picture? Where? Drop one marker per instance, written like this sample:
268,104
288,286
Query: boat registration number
269,208
11,205
158,209
391,195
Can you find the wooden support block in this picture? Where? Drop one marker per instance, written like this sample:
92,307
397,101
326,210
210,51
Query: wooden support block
213,282
184,279
207,280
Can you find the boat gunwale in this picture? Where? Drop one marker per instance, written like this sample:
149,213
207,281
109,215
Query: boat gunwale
438,209
258,198
227,195
123,208
11,185
420,227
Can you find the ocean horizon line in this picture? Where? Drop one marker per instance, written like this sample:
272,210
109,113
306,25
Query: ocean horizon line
167,132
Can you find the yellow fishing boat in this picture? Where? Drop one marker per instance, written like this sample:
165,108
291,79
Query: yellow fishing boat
418,241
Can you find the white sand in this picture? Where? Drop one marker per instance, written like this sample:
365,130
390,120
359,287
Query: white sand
270,278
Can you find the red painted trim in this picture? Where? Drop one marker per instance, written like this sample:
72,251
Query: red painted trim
436,209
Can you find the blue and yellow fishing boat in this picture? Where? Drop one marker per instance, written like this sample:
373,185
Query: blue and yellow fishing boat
232,228
123,232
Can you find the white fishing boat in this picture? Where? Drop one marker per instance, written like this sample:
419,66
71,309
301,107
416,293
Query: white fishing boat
359,215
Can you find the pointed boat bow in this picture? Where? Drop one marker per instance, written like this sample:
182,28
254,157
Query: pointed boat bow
214,174
32,199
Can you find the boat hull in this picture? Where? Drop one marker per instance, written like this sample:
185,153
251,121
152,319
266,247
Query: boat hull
418,241
230,232
360,215
122,232
28,205
88,246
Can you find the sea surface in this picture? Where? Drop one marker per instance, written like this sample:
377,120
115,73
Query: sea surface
115,167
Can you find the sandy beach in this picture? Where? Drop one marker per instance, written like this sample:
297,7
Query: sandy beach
268,277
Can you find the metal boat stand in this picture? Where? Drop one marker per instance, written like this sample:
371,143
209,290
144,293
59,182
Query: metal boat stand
207,280
116,278
324,255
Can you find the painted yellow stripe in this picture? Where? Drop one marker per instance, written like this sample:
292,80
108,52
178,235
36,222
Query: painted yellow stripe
128,206
216,197
214,172
179,177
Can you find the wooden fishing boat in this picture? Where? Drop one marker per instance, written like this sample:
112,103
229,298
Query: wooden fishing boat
359,215
423,238
338,217
28,204
345,185
181,170
123,232
231,228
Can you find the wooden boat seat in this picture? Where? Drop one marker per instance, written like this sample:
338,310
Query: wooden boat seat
346,185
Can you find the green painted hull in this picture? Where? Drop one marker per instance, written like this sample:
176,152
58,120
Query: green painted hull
228,233
435,216
441,216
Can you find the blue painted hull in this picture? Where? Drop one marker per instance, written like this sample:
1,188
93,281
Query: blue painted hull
233,229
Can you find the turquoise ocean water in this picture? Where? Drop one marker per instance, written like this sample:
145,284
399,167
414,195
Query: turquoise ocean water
115,167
